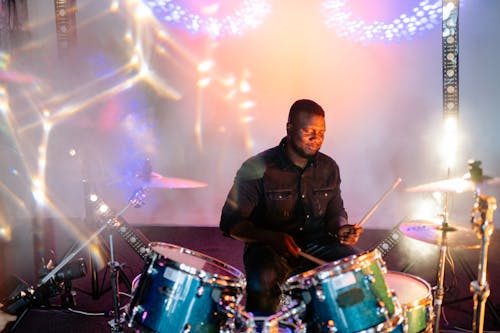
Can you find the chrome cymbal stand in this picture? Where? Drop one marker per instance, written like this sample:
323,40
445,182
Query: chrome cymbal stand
482,224
443,249
439,291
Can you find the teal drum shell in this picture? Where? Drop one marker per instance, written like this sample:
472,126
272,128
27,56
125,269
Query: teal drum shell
348,295
181,290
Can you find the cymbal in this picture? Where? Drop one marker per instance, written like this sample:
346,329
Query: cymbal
431,231
158,181
457,185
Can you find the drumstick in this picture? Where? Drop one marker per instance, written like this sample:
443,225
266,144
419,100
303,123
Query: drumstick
363,220
313,258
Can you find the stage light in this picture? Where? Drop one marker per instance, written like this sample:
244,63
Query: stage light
204,82
142,12
422,18
103,209
205,66
450,141
6,234
247,105
249,15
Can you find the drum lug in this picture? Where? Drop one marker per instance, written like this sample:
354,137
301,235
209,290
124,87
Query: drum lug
150,269
200,291
320,294
331,327
135,311
382,310
369,279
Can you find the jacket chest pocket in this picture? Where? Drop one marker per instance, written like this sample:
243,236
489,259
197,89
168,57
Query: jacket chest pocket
321,197
280,203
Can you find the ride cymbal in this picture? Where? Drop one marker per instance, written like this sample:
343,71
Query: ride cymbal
456,185
431,231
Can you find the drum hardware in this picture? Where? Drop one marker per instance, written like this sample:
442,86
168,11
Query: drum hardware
415,297
446,235
117,322
351,288
288,318
482,224
456,185
431,231
168,297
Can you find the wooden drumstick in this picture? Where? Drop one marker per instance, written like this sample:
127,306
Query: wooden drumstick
363,220
313,258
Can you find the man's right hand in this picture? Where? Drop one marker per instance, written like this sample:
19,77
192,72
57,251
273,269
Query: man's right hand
281,242
284,244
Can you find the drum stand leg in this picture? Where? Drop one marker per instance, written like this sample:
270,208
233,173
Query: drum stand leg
470,274
482,218
439,293
117,322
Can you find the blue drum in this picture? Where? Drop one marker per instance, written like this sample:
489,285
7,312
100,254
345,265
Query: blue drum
183,291
348,295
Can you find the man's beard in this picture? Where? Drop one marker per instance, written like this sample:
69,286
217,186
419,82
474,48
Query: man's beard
301,152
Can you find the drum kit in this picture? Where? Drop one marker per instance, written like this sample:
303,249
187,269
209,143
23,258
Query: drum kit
183,291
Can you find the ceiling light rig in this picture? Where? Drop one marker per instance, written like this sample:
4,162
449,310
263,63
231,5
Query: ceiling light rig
422,18
249,15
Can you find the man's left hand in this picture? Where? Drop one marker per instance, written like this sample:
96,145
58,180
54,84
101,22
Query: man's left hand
349,234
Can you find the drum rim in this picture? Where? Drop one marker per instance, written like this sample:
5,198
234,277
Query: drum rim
237,280
346,264
423,301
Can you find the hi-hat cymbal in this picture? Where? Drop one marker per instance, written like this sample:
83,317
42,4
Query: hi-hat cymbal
431,231
456,185
158,181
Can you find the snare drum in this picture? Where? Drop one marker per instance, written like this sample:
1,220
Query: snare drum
415,297
348,295
181,290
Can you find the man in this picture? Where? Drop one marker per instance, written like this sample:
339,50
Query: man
285,201
5,318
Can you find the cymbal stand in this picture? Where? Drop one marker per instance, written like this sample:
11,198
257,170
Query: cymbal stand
439,292
443,248
482,224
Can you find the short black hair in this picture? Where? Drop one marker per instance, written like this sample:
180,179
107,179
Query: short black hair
307,106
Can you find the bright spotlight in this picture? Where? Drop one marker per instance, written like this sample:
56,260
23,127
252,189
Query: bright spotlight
450,141
103,208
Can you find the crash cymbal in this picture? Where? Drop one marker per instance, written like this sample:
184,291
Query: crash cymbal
456,185
431,231
158,181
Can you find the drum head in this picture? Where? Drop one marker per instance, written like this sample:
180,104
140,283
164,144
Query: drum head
197,263
408,288
335,268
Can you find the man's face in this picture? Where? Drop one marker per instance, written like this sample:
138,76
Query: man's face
306,133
